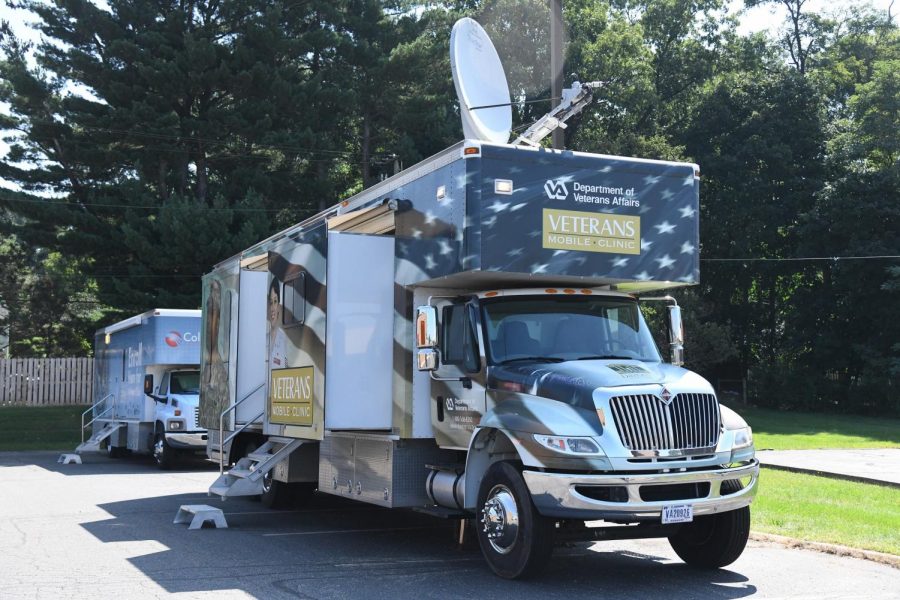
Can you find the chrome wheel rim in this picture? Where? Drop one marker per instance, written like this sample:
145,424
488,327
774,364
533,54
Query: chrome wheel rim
159,450
500,519
267,482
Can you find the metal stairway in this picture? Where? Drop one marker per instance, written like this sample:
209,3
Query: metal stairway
246,477
92,444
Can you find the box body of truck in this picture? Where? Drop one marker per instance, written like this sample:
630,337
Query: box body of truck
339,390
146,382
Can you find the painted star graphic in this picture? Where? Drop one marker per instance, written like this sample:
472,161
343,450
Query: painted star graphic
537,268
416,234
518,206
651,179
515,252
429,262
689,180
645,245
619,262
686,279
558,252
490,222
687,212
498,206
664,227
665,262
667,194
535,233
687,248
642,276
446,248
430,218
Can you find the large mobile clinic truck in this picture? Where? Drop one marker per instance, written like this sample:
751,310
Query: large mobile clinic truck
464,338
146,387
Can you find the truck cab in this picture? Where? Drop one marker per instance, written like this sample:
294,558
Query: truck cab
570,385
176,420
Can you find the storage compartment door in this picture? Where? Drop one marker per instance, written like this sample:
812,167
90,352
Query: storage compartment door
251,344
359,343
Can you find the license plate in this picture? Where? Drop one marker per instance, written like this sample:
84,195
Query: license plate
680,513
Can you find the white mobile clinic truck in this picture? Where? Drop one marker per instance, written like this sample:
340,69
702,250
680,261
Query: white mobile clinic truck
146,387
464,339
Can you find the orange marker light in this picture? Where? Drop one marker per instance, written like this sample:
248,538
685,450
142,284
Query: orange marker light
491,294
551,291
471,150
588,292
568,291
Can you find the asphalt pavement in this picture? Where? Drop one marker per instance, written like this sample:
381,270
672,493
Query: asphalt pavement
104,529
880,466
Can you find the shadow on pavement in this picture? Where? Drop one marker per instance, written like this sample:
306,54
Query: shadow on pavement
334,548
96,463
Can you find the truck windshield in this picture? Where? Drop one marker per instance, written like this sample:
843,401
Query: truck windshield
185,382
558,328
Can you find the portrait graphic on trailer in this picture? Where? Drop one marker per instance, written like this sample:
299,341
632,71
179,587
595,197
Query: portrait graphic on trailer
277,342
215,350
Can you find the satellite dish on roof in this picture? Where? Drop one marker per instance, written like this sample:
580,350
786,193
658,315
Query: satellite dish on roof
480,80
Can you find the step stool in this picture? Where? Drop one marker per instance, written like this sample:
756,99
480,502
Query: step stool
201,514
69,458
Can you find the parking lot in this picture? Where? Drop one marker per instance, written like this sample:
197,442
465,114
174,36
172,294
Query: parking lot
104,529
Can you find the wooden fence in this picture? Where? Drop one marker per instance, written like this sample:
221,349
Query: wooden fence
46,381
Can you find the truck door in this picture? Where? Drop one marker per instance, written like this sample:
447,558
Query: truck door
457,386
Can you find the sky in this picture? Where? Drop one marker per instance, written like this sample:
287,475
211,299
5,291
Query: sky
761,18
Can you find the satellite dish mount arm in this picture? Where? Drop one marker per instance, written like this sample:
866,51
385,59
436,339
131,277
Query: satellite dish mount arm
574,99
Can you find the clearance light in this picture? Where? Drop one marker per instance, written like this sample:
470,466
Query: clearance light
503,186
471,150
491,294
107,339
177,412
568,291
568,445
441,191
588,292
552,291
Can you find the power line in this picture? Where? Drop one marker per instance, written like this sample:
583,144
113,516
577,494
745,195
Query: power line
804,258
97,205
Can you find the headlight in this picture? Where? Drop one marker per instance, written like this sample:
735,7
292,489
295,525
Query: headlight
568,445
175,425
743,438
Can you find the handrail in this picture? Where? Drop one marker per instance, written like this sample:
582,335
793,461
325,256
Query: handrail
222,425
235,433
91,408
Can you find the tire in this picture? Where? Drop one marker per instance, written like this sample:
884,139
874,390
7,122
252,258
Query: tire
714,541
513,551
164,455
114,451
276,494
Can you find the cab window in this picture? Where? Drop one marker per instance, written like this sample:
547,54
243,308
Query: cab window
164,385
459,343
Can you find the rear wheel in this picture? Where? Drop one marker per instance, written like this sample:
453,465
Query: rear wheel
714,541
114,451
515,539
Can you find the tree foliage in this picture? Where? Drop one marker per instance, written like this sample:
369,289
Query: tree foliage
154,138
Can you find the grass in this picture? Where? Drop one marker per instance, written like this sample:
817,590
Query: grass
40,427
820,509
781,430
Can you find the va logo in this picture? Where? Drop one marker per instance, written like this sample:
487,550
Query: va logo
556,190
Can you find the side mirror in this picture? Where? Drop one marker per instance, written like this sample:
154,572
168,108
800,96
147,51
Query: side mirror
676,335
148,385
426,338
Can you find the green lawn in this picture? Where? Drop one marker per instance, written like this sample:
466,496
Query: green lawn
820,509
781,430
40,428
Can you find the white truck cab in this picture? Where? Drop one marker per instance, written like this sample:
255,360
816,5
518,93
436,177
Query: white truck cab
177,429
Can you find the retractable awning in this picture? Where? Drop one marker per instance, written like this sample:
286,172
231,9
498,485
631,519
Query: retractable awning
374,220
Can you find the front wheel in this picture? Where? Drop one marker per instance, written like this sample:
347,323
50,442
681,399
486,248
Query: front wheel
515,539
714,541
163,453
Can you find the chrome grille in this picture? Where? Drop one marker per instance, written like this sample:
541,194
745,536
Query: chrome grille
197,418
644,422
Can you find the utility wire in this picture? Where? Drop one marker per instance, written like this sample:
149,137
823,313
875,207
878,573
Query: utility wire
803,258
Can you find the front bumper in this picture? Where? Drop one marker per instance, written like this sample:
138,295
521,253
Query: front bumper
555,494
187,440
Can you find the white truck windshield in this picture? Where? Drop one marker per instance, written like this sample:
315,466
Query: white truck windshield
185,382
560,328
